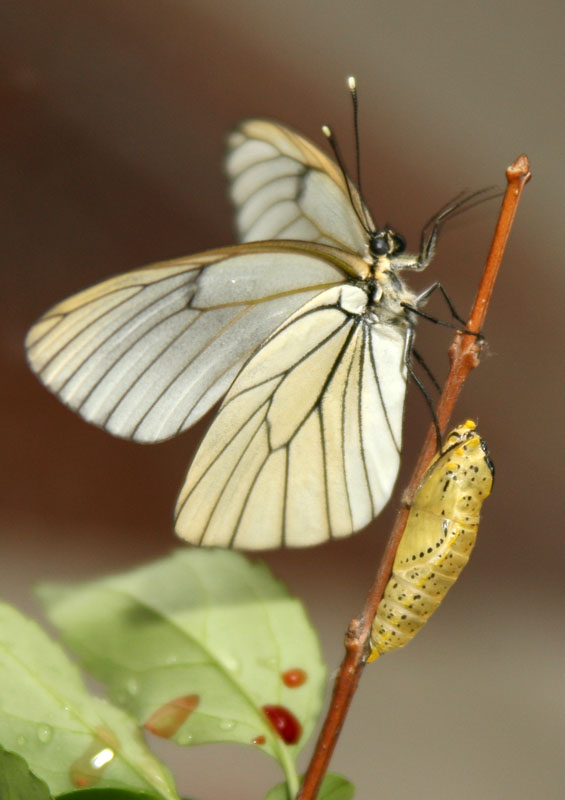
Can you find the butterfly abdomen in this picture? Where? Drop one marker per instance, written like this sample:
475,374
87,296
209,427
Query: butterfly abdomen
438,540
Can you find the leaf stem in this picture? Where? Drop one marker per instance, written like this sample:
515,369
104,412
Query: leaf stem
289,768
464,356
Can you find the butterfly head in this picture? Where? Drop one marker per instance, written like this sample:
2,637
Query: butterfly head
386,242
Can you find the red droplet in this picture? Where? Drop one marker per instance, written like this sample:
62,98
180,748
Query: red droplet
258,740
284,722
294,677
166,721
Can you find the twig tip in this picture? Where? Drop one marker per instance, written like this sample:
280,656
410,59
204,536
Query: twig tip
519,169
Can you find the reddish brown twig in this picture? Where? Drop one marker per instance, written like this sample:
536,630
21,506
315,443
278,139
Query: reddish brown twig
464,356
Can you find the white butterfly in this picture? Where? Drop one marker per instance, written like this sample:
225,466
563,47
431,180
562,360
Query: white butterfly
307,329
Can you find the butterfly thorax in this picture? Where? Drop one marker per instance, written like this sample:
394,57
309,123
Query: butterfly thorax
387,293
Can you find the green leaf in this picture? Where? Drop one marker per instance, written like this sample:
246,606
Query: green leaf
202,639
17,782
67,737
334,787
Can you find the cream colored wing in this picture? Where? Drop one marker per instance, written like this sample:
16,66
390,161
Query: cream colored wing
145,354
284,187
306,444
439,537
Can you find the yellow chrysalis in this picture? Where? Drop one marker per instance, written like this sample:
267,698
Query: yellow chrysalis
438,540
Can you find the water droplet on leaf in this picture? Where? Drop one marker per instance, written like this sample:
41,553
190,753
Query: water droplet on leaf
45,733
271,662
229,662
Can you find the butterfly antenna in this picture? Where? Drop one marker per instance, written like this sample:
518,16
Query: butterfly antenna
328,133
352,84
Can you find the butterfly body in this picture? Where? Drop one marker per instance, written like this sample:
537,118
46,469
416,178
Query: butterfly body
306,324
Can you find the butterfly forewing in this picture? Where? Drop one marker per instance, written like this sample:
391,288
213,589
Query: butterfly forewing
147,353
283,187
286,460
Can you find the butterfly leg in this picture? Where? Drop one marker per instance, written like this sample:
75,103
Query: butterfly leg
423,298
408,353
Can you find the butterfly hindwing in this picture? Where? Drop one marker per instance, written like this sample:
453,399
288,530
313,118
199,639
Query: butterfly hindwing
306,444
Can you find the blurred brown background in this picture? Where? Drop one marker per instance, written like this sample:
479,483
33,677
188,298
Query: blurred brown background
113,119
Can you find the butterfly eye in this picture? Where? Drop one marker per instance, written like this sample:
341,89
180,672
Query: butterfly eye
399,243
379,246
